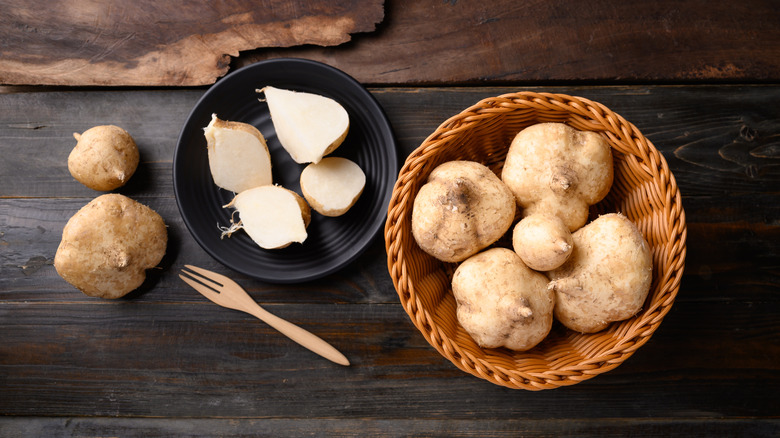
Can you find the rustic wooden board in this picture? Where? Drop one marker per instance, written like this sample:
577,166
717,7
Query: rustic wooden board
368,428
146,42
422,42
74,365
445,42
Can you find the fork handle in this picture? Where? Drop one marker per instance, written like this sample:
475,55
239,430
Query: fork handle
299,335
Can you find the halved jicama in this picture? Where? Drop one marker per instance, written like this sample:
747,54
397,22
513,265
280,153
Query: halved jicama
238,155
272,216
309,126
333,185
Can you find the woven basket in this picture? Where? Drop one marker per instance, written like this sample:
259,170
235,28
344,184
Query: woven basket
643,189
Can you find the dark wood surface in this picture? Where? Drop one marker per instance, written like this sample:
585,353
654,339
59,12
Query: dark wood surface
164,362
164,352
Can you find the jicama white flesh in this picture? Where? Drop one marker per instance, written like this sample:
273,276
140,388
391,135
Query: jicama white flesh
309,126
272,216
333,185
238,155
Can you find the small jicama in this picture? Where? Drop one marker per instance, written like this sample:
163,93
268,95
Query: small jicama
104,158
309,126
238,155
542,241
333,185
272,216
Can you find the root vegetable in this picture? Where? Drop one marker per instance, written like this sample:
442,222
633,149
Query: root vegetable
501,302
309,126
542,241
272,216
333,185
104,158
555,169
463,208
238,155
607,277
108,245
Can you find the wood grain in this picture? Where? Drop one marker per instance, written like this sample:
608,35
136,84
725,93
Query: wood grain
146,42
164,361
422,42
368,428
446,42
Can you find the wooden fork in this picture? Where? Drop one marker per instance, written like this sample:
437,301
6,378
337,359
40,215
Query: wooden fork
227,293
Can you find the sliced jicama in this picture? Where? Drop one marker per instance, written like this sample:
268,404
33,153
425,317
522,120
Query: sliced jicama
333,185
272,216
309,126
238,155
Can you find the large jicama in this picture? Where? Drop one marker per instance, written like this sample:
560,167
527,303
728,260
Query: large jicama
606,279
108,245
557,170
501,302
462,209
272,216
308,126
238,155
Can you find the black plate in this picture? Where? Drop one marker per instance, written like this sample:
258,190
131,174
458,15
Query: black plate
332,242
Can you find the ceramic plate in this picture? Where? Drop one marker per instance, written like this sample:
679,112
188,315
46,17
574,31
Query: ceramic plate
332,243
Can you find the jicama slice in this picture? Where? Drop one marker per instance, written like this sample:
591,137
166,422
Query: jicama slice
272,216
238,155
309,126
333,185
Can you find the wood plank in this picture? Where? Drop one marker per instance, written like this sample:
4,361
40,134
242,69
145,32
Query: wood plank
104,359
45,122
424,42
31,229
716,139
17,427
737,250
161,43
446,42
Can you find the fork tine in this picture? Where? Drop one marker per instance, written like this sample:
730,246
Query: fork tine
202,279
213,276
203,289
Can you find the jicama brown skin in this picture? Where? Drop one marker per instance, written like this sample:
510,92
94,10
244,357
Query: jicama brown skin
104,158
501,302
463,208
542,241
108,245
555,169
606,279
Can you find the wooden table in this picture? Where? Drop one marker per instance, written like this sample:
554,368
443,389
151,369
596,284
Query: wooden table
700,79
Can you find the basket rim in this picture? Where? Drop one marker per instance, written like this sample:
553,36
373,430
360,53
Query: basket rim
634,332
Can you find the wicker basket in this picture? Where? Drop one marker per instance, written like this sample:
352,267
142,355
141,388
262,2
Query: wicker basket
644,190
